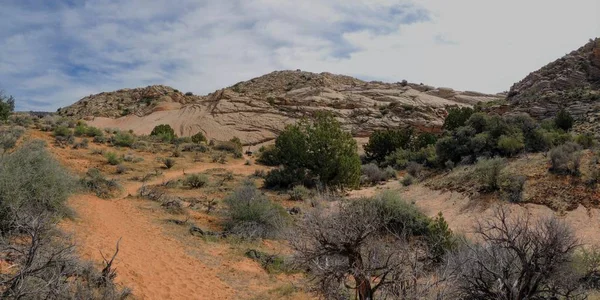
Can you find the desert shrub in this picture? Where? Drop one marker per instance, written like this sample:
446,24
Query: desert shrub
585,140
169,162
195,181
319,151
299,193
440,238
533,256
273,264
268,156
407,180
456,145
31,180
488,172
383,142
565,159
399,216
94,132
457,117
9,137
62,131
97,183
121,169
164,132
99,139
372,174
512,187
24,120
122,139
190,147
414,169
563,120
83,144
510,145
112,158
283,178
140,145
252,215
198,138
80,130
537,140
7,106
229,146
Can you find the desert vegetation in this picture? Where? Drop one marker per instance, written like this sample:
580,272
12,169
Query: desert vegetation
33,191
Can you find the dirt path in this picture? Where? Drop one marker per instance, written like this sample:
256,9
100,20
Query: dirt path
153,264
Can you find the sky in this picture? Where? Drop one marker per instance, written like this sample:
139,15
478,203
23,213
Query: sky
52,53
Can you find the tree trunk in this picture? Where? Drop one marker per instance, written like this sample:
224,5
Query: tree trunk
363,287
363,284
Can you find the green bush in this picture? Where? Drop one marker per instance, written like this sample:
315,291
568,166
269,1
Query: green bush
31,180
80,130
94,132
62,131
383,142
198,138
457,117
252,215
7,106
510,145
284,178
585,140
565,159
512,188
112,158
440,238
164,132
196,181
399,216
122,139
169,162
319,150
407,180
563,120
268,156
488,172
299,193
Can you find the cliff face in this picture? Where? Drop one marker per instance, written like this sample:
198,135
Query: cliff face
258,109
571,82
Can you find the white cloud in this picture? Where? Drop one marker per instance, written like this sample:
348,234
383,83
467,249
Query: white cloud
57,53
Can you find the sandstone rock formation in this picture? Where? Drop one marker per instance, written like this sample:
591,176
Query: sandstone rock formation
258,109
571,82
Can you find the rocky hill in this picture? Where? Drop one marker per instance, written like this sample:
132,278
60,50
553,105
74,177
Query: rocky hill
258,109
571,82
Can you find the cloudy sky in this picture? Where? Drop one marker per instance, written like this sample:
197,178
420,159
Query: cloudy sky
52,53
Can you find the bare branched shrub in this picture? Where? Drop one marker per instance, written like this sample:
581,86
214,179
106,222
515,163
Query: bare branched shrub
519,258
364,246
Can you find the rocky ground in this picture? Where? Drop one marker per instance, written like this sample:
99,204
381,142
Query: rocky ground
258,109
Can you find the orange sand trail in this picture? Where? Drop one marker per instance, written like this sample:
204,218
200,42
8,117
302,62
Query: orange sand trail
153,264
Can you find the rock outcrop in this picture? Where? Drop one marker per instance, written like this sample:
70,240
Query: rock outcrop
571,83
258,109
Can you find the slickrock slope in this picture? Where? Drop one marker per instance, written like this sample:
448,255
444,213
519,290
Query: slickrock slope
571,82
258,109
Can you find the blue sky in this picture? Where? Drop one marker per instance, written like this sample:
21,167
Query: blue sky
52,53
